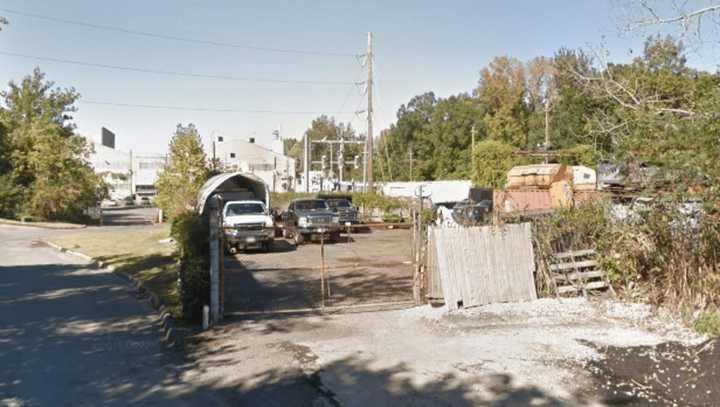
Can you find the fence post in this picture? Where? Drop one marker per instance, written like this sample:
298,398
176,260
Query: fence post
214,261
322,270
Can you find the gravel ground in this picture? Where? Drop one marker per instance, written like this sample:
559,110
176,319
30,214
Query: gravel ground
534,353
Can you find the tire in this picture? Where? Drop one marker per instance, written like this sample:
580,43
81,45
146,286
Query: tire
334,237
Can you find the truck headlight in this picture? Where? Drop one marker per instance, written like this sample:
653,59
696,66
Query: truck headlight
302,222
335,219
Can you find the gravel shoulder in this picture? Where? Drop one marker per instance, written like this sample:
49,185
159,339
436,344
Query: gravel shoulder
503,354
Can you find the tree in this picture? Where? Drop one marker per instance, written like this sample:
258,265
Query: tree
327,128
178,184
493,159
501,91
45,169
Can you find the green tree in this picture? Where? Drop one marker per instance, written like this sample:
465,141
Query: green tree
45,172
178,184
502,91
327,128
493,159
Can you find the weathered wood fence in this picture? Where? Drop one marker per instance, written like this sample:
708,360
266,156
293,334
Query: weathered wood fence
481,265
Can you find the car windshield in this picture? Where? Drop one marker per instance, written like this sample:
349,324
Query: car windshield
246,208
339,203
311,205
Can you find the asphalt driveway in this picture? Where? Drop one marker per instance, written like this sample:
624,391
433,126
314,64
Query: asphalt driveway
74,335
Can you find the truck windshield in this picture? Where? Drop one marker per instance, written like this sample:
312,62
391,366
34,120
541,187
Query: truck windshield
247,208
339,203
312,205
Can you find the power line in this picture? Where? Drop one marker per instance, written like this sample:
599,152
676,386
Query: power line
175,38
171,73
201,109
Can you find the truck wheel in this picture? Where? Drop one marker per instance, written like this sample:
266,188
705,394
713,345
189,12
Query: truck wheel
299,239
334,237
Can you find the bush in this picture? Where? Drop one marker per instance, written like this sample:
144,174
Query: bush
662,255
191,232
493,160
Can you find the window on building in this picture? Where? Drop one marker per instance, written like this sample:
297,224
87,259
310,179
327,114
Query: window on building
232,155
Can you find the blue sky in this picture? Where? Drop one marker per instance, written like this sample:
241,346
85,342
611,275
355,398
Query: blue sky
420,46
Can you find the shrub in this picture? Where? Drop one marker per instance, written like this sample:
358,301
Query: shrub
190,232
493,160
663,255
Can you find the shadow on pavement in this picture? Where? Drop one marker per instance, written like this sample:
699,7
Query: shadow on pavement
76,336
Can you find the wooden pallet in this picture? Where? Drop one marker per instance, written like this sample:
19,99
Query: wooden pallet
577,272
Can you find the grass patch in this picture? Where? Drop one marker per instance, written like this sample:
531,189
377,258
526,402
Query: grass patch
134,251
708,322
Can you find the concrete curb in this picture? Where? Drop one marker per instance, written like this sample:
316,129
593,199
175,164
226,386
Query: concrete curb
42,225
167,320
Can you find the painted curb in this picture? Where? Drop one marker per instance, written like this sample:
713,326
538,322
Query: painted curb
167,320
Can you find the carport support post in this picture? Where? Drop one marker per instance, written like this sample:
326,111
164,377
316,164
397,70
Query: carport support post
417,246
213,207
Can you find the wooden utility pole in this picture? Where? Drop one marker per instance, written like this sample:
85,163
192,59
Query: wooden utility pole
306,162
547,125
547,128
473,132
411,165
369,167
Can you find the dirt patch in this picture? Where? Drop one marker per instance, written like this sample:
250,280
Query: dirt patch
671,374
372,268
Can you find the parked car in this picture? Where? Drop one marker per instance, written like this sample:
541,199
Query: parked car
247,224
345,211
143,201
469,213
308,218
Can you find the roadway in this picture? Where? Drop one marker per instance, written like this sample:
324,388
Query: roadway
74,335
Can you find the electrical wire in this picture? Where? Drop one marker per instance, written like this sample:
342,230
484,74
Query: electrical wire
200,109
173,37
172,73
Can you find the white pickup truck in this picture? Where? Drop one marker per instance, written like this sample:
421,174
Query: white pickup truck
247,224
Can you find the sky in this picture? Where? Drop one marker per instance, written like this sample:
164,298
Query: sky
420,46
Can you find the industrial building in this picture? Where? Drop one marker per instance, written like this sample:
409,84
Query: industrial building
126,174
268,163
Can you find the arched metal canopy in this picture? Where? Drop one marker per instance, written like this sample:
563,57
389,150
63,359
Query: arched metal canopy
232,182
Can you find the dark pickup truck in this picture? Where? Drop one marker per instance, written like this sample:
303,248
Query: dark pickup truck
344,209
308,218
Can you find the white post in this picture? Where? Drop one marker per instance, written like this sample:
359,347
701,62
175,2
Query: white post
214,261
206,317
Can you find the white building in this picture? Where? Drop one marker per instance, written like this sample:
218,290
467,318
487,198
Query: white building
270,164
114,167
125,173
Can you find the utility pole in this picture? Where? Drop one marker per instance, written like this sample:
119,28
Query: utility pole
341,159
306,162
473,132
411,165
547,128
369,167
547,124
132,175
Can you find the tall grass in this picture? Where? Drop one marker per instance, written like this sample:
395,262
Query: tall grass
659,254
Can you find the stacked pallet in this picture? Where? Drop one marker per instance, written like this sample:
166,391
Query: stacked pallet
578,272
